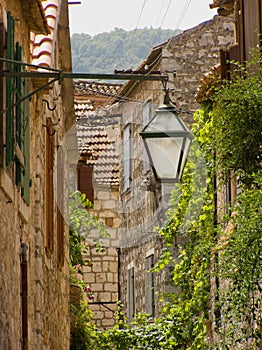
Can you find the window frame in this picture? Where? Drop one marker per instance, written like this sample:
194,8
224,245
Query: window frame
149,285
127,158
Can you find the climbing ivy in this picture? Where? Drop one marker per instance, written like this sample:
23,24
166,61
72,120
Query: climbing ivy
236,107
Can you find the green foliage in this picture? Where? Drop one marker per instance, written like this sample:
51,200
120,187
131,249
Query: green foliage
237,109
82,223
81,327
240,269
104,51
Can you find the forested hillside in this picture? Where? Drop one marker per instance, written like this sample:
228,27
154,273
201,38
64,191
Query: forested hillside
119,48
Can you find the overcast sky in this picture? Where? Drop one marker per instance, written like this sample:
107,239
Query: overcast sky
97,16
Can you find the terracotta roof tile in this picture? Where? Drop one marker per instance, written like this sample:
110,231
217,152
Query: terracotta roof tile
83,87
41,45
92,123
99,150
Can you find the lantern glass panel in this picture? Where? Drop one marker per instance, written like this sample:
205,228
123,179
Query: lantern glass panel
165,121
165,154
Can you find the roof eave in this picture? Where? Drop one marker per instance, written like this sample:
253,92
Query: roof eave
151,61
35,16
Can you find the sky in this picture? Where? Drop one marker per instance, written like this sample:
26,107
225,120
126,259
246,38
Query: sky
96,16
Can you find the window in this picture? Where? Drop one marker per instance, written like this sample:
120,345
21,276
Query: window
49,188
60,206
127,157
85,180
146,116
130,294
17,116
149,286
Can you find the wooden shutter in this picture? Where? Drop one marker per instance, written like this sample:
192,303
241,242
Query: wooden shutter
251,11
127,157
49,189
10,82
26,183
22,131
149,286
224,58
131,294
60,206
85,180
146,116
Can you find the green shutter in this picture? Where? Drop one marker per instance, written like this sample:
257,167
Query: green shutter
10,92
25,106
18,120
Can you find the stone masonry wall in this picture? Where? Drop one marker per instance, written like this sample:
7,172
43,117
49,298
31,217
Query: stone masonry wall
47,284
102,275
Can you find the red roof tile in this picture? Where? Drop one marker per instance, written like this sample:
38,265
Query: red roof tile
41,45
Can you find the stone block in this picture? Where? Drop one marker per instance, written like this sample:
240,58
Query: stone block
103,195
97,267
107,322
97,287
111,287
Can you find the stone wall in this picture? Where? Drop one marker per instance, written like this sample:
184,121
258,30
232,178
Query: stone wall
44,286
102,275
185,58
191,54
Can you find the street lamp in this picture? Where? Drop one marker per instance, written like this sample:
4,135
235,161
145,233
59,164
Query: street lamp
167,141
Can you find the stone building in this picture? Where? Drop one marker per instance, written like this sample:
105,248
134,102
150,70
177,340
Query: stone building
185,58
36,112
95,172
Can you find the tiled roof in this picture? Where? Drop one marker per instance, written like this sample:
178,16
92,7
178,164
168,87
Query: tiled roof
92,126
95,145
208,82
150,61
83,87
41,45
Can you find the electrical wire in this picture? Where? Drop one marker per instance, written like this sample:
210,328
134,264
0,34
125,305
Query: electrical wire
182,16
164,17
102,15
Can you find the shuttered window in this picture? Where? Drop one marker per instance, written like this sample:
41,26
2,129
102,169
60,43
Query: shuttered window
248,27
10,87
127,157
149,286
17,116
251,25
131,294
22,132
146,116
60,189
85,180
49,189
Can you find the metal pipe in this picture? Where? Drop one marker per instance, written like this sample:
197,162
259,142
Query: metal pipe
69,75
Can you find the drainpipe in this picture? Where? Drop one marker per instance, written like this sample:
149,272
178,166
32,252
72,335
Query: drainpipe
24,295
